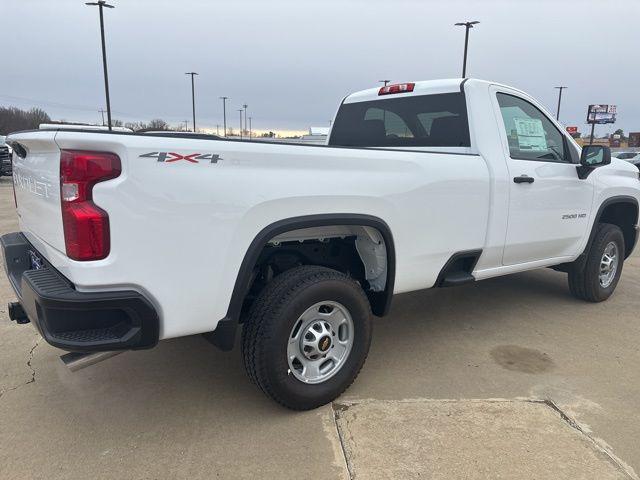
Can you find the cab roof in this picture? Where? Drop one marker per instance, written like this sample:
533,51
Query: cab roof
423,87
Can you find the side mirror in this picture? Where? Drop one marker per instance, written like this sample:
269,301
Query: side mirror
593,156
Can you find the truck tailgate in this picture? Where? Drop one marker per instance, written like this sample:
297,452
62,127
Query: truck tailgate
36,177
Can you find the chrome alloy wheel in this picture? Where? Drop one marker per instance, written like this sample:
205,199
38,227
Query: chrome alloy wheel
320,342
608,264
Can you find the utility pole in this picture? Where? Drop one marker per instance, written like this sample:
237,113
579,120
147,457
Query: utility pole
102,110
559,100
217,129
245,115
240,110
249,128
224,113
384,81
193,99
467,25
102,4
186,125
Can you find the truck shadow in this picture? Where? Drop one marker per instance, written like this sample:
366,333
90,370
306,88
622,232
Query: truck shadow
190,373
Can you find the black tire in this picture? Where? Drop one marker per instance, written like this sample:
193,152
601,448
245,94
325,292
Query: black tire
269,324
585,283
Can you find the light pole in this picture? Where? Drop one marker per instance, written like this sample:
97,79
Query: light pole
193,99
559,100
224,114
384,81
249,128
240,110
186,125
467,26
101,4
218,129
245,115
102,110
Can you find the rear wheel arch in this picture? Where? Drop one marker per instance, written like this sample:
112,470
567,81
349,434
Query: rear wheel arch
224,335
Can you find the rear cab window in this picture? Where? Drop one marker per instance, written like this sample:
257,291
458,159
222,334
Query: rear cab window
438,120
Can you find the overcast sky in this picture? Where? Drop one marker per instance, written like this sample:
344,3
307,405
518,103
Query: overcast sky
293,61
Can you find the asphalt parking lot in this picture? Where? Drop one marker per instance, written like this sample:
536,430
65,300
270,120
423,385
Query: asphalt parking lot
506,378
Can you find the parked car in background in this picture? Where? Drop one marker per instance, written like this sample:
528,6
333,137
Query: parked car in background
631,157
5,157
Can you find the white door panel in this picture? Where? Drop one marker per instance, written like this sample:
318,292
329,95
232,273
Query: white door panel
549,205
549,217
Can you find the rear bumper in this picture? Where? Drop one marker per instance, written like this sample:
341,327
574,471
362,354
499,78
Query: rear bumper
72,320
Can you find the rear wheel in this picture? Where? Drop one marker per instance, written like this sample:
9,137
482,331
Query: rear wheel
603,267
307,336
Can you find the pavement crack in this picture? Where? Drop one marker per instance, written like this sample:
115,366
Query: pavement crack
598,445
30,359
337,409
29,364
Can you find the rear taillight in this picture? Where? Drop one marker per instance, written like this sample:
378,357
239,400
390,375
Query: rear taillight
86,226
396,88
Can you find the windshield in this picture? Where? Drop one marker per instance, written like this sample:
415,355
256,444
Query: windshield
417,121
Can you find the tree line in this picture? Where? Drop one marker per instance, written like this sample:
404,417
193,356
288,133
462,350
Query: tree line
13,119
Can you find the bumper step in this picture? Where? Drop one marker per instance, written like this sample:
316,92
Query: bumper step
72,320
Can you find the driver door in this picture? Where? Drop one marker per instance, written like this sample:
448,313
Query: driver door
549,205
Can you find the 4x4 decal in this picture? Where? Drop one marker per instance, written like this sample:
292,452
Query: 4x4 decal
169,157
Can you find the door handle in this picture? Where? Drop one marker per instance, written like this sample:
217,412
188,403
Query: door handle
523,179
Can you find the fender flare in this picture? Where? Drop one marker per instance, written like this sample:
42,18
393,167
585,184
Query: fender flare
581,260
224,334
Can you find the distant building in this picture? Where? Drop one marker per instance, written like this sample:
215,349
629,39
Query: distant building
317,135
319,131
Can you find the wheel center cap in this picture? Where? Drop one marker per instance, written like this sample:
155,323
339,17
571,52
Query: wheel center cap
324,343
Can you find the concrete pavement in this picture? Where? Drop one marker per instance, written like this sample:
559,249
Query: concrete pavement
465,382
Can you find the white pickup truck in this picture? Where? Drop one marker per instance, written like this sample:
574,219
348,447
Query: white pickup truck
127,239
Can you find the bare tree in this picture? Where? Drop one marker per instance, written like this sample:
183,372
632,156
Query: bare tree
158,124
13,119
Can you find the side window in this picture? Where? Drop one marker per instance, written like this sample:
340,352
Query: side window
530,133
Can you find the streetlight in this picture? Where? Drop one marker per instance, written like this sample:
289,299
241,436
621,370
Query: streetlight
193,99
249,128
245,115
384,81
240,110
467,26
224,113
101,4
559,100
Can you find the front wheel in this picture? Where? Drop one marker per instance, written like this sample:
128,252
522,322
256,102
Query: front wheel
603,267
307,336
